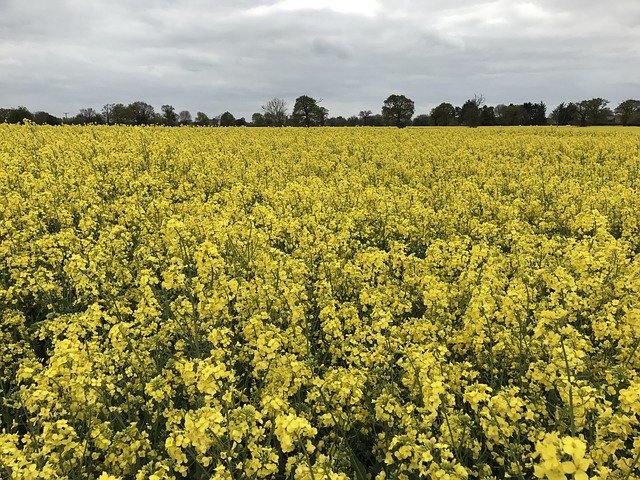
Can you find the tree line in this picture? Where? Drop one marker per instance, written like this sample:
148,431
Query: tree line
397,110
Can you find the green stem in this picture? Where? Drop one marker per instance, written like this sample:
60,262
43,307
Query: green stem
571,415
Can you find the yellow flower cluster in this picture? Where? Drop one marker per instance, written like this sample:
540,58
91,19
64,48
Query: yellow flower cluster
551,449
319,303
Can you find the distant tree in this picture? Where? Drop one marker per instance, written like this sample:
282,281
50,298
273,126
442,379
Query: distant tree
458,114
106,113
422,120
227,120
88,112
323,114
44,118
354,121
581,111
338,121
443,115
510,114
169,115
564,114
241,122
306,111
487,116
275,112
376,120
257,120
397,110
628,112
17,115
534,113
593,112
470,112
184,118
364,116
608,117
87,115
142,113
121,114
202,119
500,111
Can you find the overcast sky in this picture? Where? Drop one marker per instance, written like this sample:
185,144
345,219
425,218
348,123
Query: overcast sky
217,55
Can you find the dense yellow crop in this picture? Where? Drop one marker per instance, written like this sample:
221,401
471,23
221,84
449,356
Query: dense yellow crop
319,303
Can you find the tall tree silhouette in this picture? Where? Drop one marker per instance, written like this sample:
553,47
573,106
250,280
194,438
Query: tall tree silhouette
306,111
397,110
275,112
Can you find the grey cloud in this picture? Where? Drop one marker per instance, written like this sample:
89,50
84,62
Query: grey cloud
324,46
216,56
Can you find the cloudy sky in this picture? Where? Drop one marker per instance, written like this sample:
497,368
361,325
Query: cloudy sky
217,55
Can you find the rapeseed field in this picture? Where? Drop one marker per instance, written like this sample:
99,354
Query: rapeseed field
357,303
